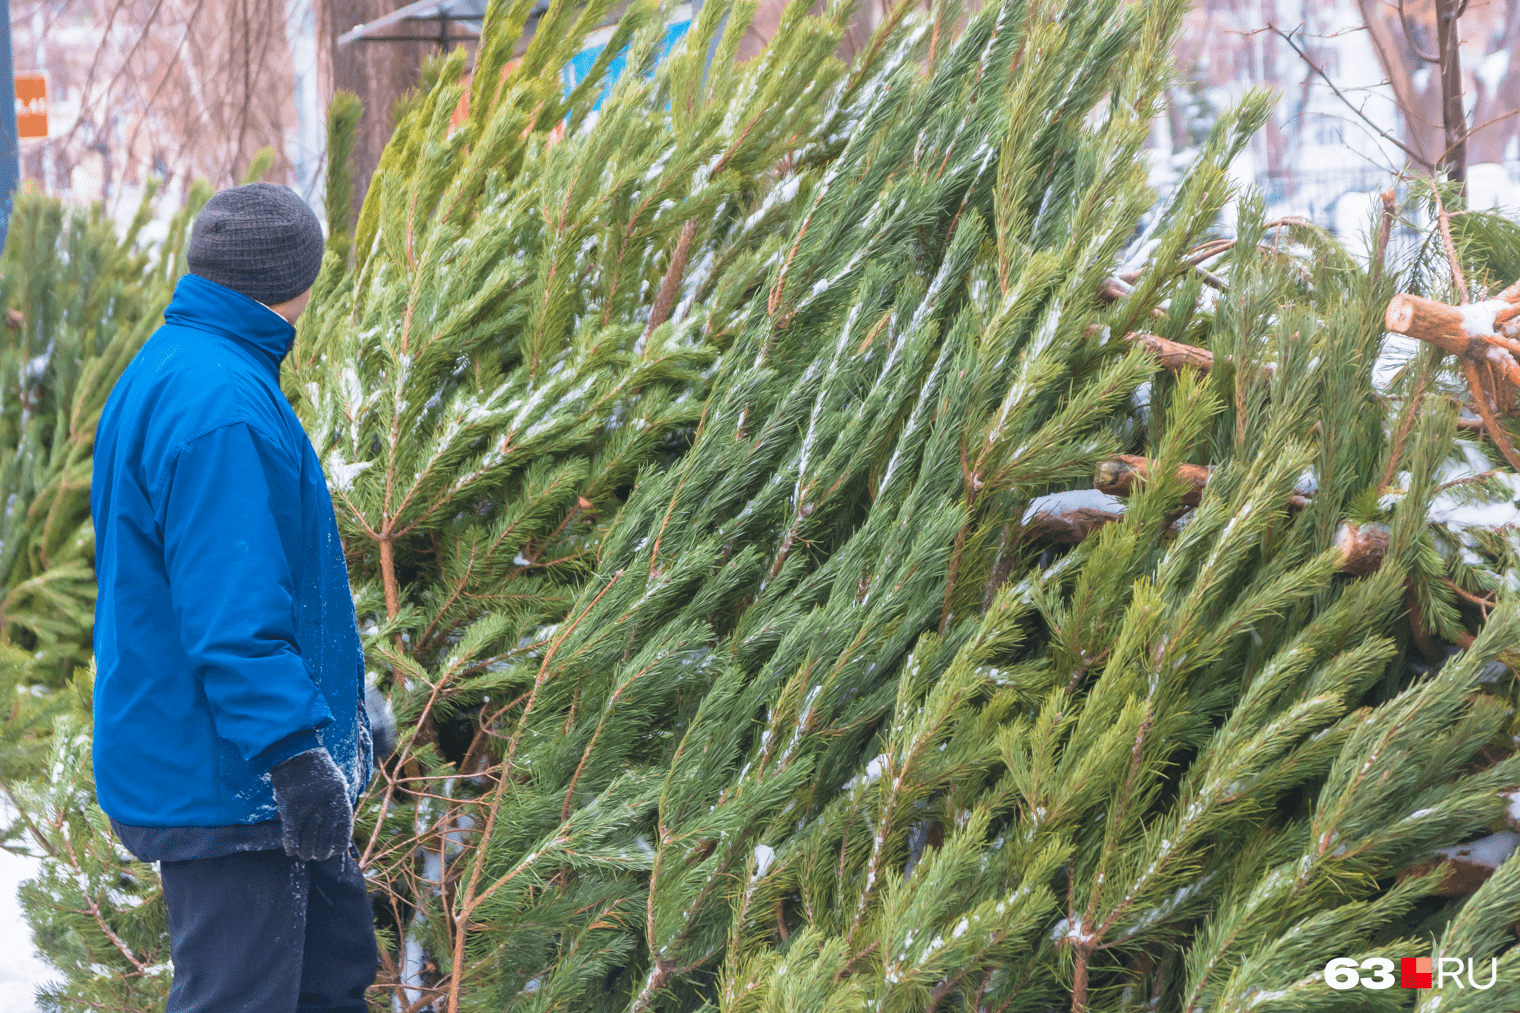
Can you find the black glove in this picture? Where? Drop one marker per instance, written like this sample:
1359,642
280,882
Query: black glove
316,819
382,723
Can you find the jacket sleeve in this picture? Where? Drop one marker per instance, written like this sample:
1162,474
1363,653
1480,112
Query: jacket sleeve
233,595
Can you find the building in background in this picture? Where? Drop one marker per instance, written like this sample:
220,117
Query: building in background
184,88
167,88
1325,143
180,89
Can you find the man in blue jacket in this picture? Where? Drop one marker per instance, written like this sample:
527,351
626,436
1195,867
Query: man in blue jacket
231,742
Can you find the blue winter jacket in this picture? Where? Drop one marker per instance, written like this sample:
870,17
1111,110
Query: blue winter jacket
225,639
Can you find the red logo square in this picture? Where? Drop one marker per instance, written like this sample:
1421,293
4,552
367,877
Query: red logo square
1414,972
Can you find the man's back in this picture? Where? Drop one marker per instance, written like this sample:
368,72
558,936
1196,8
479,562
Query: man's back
224,633
231,742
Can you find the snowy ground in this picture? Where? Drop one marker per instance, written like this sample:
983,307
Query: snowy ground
21,970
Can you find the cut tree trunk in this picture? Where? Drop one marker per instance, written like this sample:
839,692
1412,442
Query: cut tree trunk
1120,476
1362,547
1067,527
1173,355
1460,330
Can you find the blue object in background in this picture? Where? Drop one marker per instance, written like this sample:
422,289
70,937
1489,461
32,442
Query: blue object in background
580,64
10,145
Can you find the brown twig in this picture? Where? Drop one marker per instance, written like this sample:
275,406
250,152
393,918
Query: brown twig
1396,452
1489,413
116,941
1385,232
1451,251
1417,629
671,284
470,901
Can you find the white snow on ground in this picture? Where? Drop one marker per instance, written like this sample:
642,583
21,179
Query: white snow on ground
22,972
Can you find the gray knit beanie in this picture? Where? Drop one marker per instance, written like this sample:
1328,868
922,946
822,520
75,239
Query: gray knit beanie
260,239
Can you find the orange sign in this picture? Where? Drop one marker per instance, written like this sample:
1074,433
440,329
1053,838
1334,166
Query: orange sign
31,105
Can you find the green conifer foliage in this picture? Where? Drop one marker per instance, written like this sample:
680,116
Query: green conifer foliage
96,914
80,302
763,592
488,378
1074,771
83,300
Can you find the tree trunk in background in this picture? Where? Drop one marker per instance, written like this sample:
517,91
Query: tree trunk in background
1419,107
1488,143
378,72
1272,134
868,14
1453,116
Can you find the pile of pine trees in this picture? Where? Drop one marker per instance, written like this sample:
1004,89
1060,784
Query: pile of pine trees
834,541
80,300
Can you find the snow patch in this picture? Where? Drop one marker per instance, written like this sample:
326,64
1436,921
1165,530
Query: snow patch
1074,499
22,971
343,473
1478,317
1512,800
1492,69
873,774
1490,851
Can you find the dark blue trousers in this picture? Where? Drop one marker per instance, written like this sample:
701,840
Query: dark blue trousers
259,932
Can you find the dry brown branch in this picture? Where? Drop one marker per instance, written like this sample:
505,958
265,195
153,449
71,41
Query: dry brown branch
671,284
1120,476
1173,355
1488,410
1385,231
181,88
1457,276
1413,155
1204,251
1210,278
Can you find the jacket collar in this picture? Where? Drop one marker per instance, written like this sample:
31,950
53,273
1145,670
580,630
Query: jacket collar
207,306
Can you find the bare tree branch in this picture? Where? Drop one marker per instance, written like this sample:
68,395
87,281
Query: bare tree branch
1409,35
1406,149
